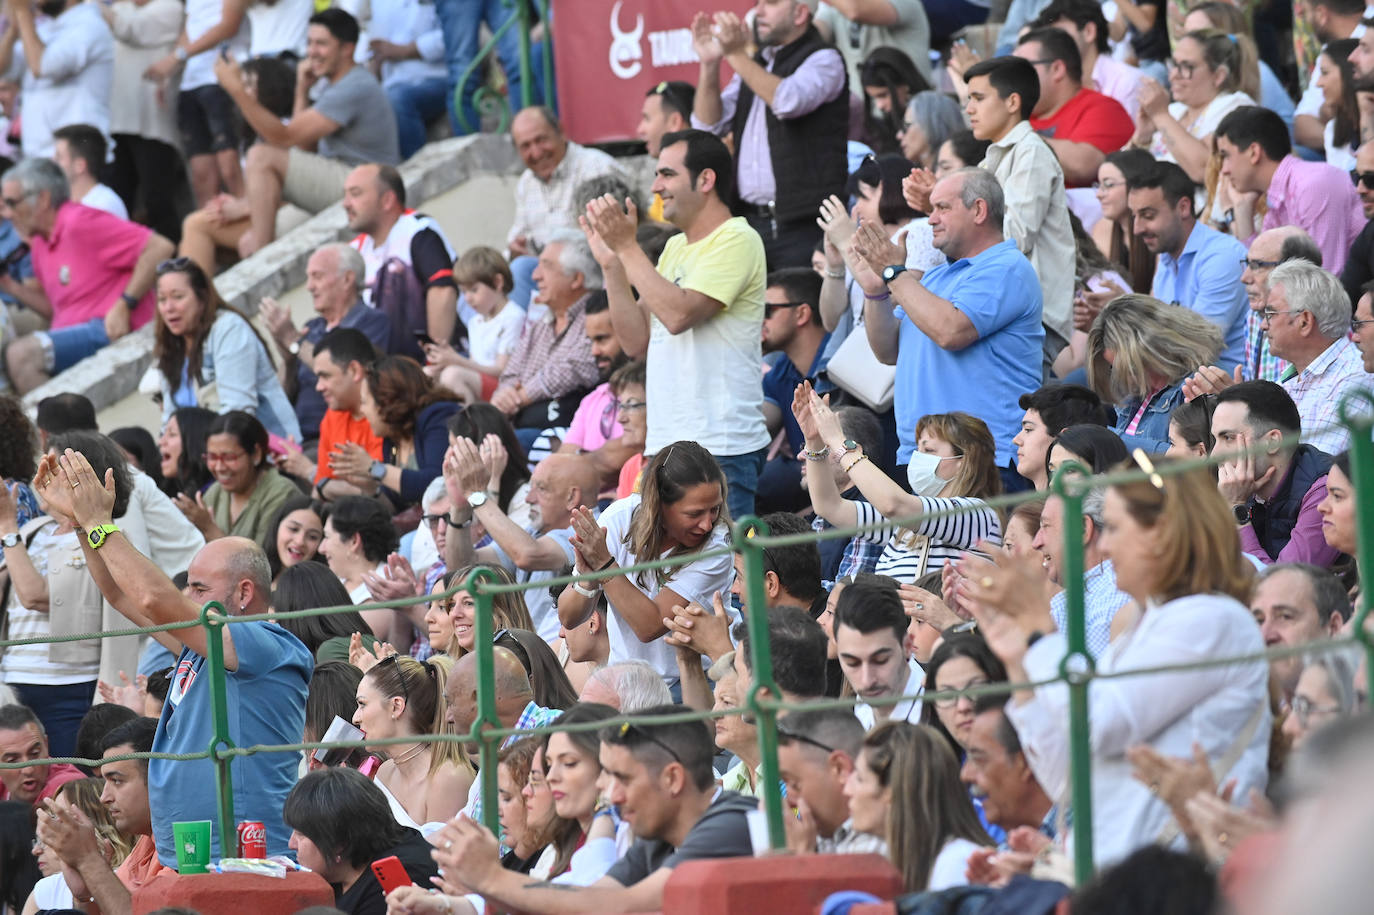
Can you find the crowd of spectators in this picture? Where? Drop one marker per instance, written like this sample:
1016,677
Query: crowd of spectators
876,282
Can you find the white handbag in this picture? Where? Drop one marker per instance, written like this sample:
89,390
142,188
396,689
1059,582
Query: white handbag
858,372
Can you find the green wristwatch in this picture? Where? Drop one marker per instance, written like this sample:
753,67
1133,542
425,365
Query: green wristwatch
97,535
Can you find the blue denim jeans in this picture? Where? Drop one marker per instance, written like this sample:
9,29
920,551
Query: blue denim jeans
461,21
742,474
416,104
60,708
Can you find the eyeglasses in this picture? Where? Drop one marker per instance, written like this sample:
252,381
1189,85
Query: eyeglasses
433,520
174,265
1303,708
785,734
1270,314
1107,185
1251,264
1357,323
1357,176
770,307
630,731
1183,67
400,674
951,701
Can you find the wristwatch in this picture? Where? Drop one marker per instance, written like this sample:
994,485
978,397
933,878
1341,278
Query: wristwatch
377,471
294,347
10,540
849,446
891,272
478,499
1241,513
97,535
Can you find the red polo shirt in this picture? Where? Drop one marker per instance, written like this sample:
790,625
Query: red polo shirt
1088,117
85,262
58,775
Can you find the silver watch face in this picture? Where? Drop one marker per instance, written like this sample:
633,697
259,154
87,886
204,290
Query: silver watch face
477,499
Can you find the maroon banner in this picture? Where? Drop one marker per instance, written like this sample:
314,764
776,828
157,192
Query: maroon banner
609,53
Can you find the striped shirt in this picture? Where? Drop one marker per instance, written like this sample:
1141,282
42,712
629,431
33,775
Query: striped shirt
30,663
950,535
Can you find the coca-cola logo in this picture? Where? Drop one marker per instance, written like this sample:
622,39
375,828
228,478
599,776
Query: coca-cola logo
252,833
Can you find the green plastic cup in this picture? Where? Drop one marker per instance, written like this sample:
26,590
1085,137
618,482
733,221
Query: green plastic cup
192,840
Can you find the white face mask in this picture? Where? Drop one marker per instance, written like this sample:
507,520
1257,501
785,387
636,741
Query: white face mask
920,473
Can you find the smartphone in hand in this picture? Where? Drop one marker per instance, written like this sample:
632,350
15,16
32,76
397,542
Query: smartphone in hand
390,874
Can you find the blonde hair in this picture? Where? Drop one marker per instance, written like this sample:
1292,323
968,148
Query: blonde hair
1230,21
1222,50
1197,549
978,476
1151,341
84,794
421,684
508,608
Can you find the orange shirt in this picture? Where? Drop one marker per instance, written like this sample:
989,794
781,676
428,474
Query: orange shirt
340,426
141,866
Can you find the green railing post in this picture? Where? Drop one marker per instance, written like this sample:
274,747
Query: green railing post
486,697
212,618
1362,480
1077,668
761,662
522,13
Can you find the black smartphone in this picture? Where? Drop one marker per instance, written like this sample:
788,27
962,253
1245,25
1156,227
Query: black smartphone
423,337
224,50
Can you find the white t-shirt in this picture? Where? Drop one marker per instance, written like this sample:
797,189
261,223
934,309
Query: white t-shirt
1204,126
951,865
489,338
201,16
696,581
279,26
1343,157
52,892
104,198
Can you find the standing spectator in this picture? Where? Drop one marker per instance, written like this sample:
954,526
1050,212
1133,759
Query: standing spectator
857,28
1085,23
1330,20
147,162
1197,267
667,109
699,312
206,347
407,48
205,113
889,82
96,272
1359,267
408,259
278,28
340,111
79,150
595,430
1080,125
247,490
1256,156
68,69
461,21
788,110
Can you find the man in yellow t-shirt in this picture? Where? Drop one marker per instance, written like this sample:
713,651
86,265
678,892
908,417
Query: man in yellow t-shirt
699,317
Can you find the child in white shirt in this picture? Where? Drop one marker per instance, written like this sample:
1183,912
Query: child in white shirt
484,278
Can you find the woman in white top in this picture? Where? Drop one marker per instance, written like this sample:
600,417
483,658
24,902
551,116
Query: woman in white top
905,788
679,512
1204,76
1336,78
1174,545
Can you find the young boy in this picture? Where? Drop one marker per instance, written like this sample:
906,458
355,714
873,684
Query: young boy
484,278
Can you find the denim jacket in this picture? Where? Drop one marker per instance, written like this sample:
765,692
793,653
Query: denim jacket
1153,432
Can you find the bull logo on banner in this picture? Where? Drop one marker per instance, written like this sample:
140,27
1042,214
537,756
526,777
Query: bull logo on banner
626,53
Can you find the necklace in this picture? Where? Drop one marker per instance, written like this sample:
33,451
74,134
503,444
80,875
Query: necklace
419,748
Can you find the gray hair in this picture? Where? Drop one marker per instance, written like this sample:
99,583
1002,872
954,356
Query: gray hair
938,116
1310,288
250,562
38,175
349,260
1093,501
576,257
981,184
433,493
636,682
1339,666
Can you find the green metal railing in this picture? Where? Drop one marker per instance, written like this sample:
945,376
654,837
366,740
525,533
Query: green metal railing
484,98
751,539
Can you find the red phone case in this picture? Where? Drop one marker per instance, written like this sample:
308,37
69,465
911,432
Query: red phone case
390,874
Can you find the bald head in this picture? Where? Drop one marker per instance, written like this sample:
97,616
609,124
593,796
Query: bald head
513,689
539,140
1269,249
562,482
233,571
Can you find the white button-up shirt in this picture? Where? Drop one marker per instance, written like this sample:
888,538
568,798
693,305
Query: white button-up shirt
76,73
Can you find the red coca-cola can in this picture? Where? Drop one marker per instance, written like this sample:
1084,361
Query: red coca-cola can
252,839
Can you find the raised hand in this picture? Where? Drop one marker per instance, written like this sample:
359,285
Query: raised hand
704,41
916,188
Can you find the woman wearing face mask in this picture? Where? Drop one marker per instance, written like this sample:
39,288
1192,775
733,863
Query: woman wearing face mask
953,468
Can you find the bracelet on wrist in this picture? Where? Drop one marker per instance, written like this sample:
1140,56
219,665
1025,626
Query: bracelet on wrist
819,455
834,274
885,294
855,463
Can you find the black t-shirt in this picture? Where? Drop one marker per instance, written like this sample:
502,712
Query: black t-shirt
1359,267
722,832
365,896
1154,44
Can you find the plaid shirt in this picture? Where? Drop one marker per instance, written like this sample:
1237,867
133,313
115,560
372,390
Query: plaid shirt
542,207
1101,600
548,364
859,555
1318,389
1260,364
534,716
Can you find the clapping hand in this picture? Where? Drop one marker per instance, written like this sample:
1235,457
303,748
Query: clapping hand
130,695
365,660
469,472
1209,379
704,40
494,459
589,540
694,628
351,463
614,226
396,581
731,33
92,501
916,188
837,224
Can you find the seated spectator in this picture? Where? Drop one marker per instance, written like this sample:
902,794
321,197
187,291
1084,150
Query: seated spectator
305,160
554,688
1114,234
508,612
22,737
1273,494
1256,156
1337,510
1085,23
307,586
407,47
527,815
410,413
1198,267
817,751
931,119
69,67
481,423
667,109
494,330
903,768
1176,552
626,686
552,366
1267,251
408,258
1341,135
1325,693
585,649
1257,78
17,461
996,768
1049,411
107,294
399,697
920,538
870,638
181,445
1102,600
736,734
595,430
201,341
334,279
889,81
333,694
83,796
79,150
798,645
358,535
680,511
1096,447
138,446
1359,266
671,765
293,535
631,410
247,490
1190,428
17,849
1022,525
340,823
962,660
1080,124
1154,348
1295,603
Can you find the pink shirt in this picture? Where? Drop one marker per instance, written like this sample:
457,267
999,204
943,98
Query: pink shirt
1321,199
595,421
1118,80
58,775
85,263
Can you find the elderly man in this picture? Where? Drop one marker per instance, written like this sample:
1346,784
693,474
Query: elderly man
1267,251
1296,603
22,737
977,316
997,771
267,668
334,279
627,686
816,755
552,366
1359,267
560,483
95,270
409,259
1101,597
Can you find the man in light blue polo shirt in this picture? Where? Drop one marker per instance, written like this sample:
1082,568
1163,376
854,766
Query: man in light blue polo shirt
1198,267
967,335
